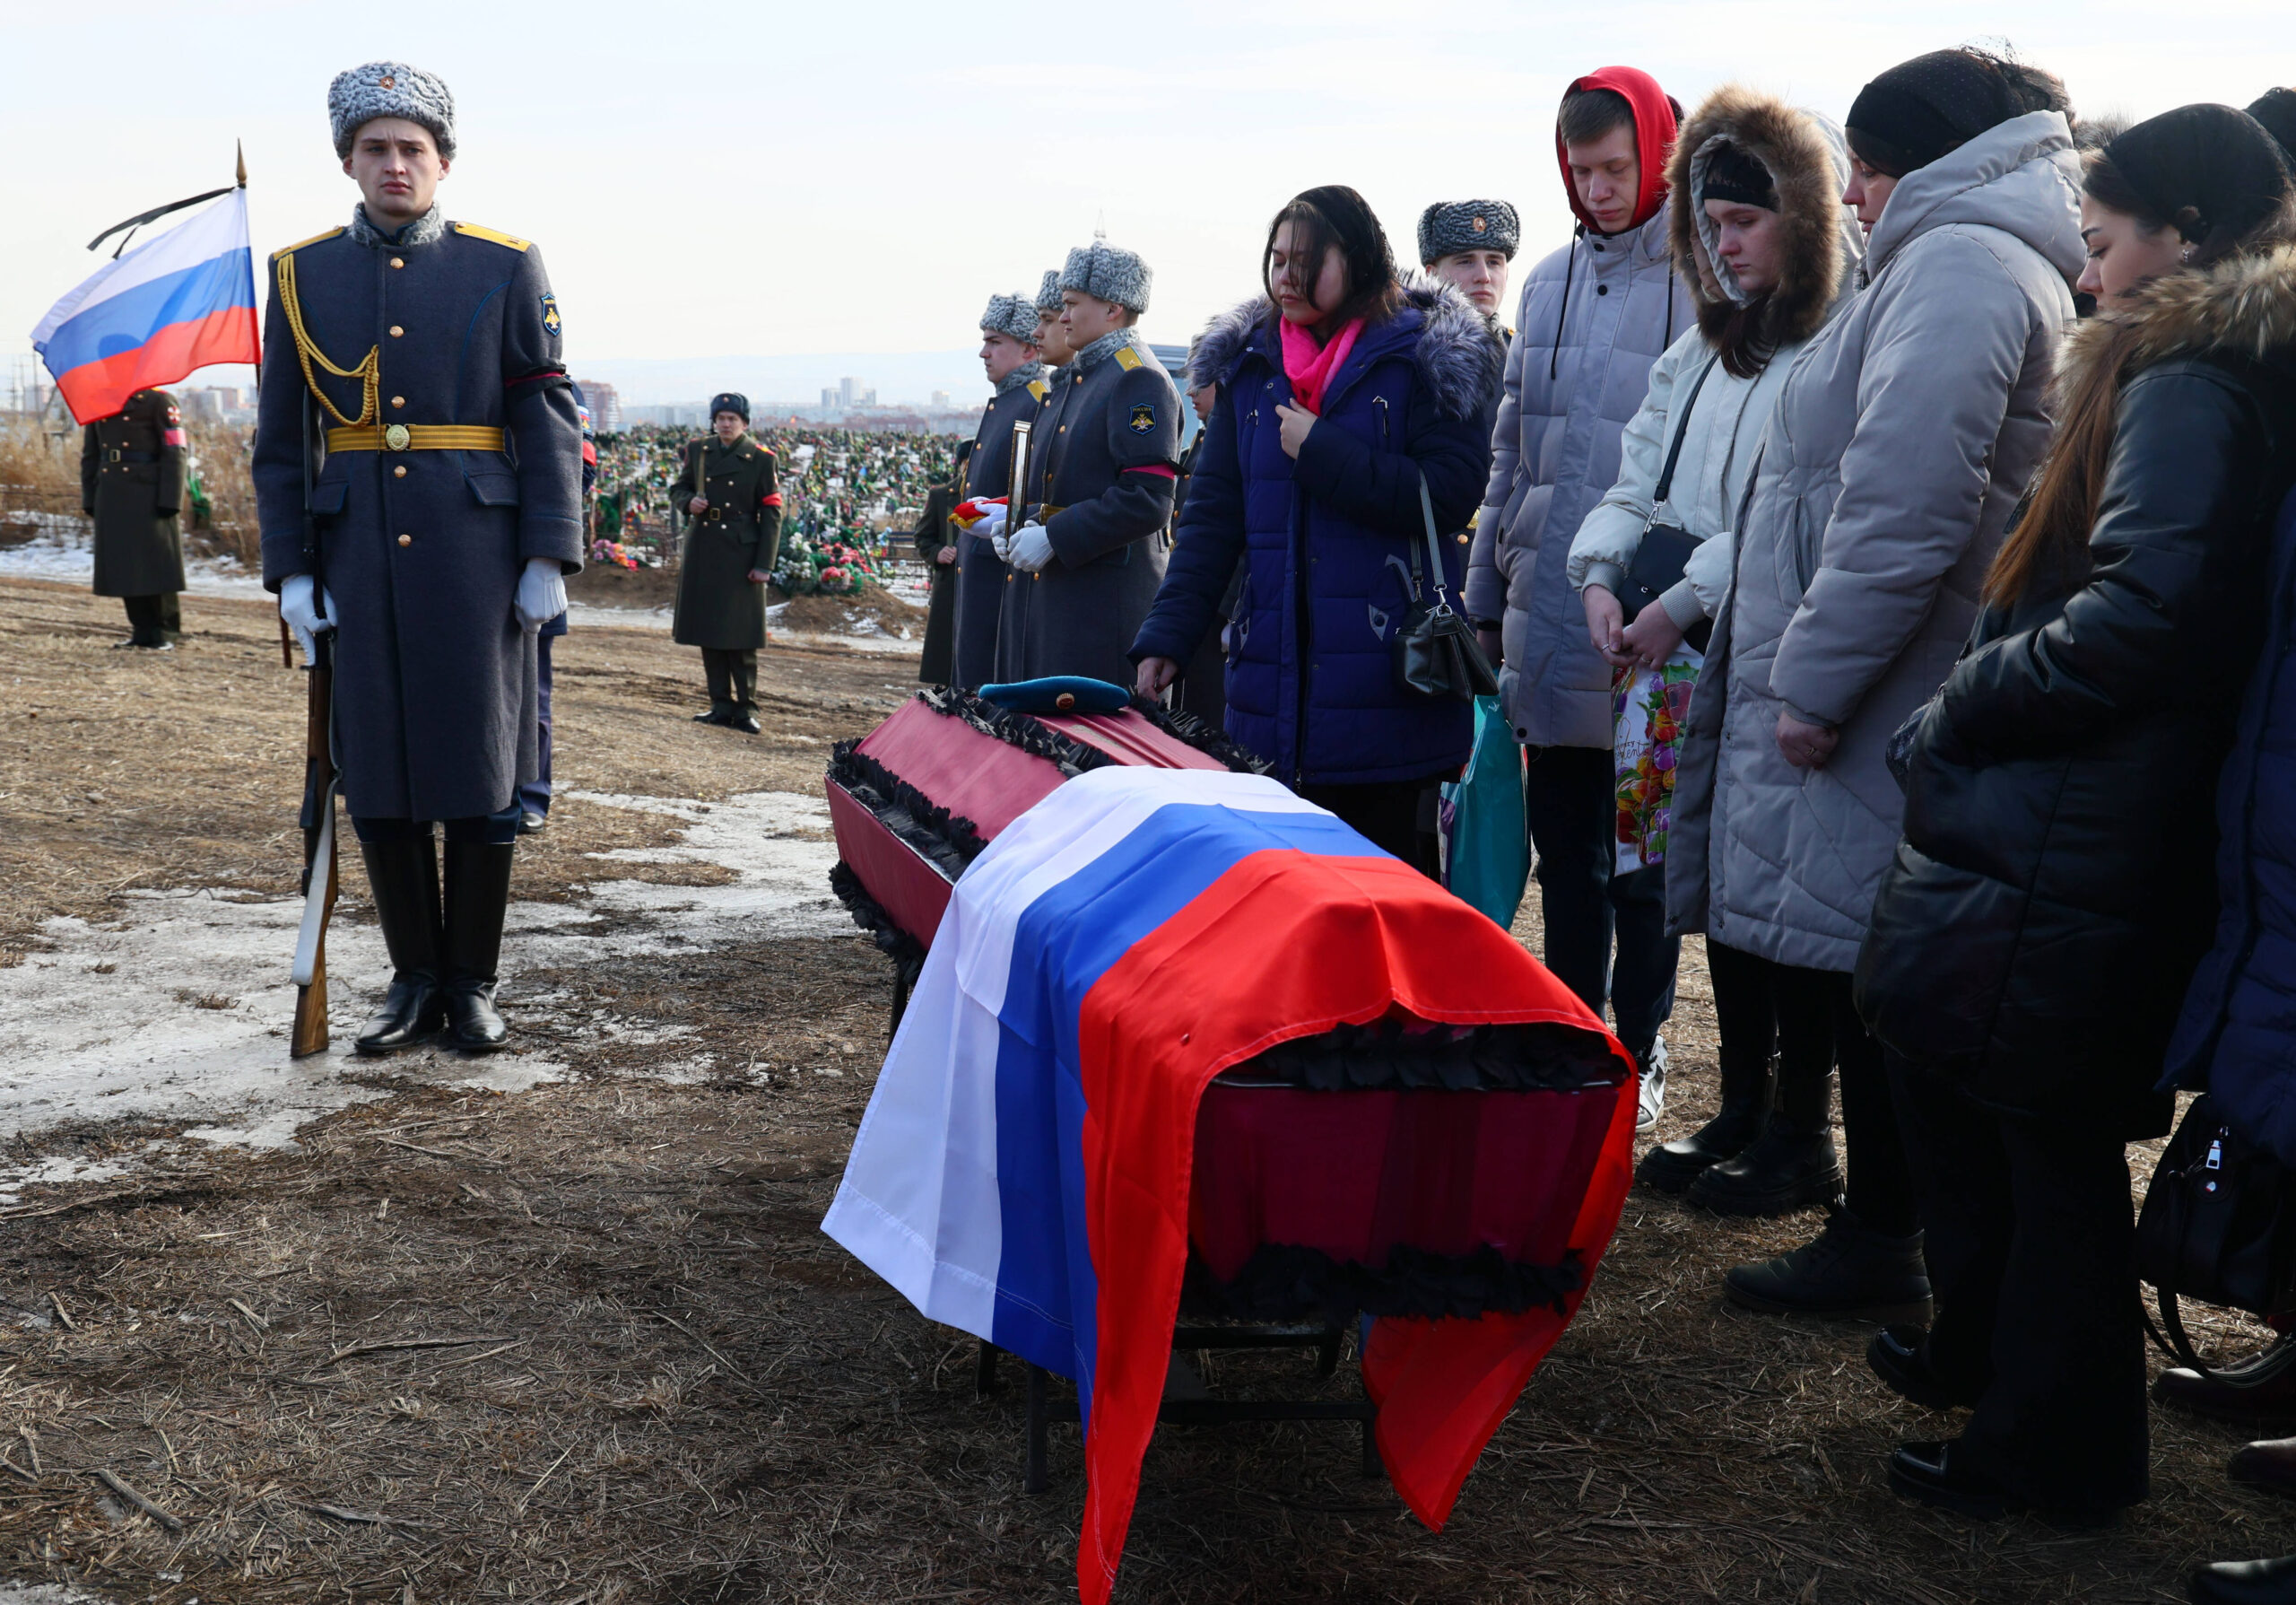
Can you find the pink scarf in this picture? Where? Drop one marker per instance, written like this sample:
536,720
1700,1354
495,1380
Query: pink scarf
1310,369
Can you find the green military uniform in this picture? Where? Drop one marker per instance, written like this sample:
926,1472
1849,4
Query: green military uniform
719,608
132,484
934,535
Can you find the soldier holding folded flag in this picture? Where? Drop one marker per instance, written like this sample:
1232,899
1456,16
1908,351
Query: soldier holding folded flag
408,356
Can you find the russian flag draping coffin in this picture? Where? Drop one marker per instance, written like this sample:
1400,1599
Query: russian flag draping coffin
1179,1031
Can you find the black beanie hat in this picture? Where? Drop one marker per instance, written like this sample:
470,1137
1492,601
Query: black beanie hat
1921,109
1731,175
730,401
2221,164
2275,108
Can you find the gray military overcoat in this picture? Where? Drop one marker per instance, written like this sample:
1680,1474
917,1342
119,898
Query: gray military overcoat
988,472
1102,475
422,549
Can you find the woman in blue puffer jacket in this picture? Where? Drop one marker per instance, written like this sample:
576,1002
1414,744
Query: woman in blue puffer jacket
1339,390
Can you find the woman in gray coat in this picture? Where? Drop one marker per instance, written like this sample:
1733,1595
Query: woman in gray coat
1905,435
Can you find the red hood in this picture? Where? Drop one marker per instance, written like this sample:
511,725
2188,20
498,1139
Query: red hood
1653,139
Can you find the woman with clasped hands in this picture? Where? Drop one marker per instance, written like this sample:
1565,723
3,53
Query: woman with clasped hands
1339,390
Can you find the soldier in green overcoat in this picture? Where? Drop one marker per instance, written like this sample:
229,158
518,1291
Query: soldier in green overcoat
132,484
935,541
732,497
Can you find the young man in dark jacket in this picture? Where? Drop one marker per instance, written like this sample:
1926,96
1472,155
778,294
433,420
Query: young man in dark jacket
731,492
1086,565
416,352
132,484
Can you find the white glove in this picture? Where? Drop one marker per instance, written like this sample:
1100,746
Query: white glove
991,527
1031,549
299,603
542,593
1004,547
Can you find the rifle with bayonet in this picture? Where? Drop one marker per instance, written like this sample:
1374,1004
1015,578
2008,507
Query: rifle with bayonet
320,781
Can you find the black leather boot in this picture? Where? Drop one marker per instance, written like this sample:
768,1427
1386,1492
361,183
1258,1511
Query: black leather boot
478,890
1851,1272
1745,1107
1791,1166
404,877
2244,1582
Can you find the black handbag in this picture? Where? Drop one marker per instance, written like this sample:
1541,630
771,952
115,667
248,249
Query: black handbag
1665,549
1436,652
2219,1225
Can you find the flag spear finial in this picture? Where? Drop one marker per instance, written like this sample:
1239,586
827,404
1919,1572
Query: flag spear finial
240,146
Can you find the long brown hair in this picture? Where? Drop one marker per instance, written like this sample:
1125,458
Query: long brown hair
1335,215
2051,536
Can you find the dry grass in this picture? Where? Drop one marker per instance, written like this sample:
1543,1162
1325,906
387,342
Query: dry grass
39,472
664,1385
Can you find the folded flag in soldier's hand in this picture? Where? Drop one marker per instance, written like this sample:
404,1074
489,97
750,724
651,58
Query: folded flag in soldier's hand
969,513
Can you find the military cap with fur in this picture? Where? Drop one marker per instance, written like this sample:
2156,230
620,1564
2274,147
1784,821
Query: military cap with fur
1049,293
1108,272
390,89
1447,227
1012,315
730,401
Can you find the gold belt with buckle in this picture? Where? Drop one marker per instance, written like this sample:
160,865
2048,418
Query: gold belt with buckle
417,437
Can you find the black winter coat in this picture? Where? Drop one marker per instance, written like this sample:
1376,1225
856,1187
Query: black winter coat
2053,892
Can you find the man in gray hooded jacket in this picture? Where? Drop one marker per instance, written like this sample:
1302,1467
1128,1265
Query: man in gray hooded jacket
1594,315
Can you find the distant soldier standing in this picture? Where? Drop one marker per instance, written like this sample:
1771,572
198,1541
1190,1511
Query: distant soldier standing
418,353
1087,565
733,498
1008,356
132,484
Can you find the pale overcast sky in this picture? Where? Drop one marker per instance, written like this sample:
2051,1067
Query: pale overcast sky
844,177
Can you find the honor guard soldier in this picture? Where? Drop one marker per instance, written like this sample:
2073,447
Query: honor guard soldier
730,494
1102,462
1470,245
417,473
1008,355
132,484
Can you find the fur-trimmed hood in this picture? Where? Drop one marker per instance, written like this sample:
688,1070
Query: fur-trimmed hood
1459,356
2244,308
1808,161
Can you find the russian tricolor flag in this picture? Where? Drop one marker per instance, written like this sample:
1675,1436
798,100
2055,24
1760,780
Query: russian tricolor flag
1024,1170
178,301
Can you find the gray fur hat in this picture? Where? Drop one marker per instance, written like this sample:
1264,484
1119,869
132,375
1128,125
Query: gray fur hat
390,89
1049,293
1108,272
1450,227
1012,315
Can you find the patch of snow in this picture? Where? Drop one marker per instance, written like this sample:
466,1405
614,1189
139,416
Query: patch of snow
62,552
179,1010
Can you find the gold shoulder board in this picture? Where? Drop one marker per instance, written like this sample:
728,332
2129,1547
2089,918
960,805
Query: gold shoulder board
1037,388
299,244
478,231
1126,358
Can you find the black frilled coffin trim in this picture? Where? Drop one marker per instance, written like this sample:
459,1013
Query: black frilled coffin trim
950,840
867,914
1286,1283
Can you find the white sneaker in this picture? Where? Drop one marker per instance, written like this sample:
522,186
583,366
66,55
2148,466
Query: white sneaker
1653,1100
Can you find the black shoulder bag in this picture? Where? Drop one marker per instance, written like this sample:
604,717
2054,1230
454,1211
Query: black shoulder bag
1665,549
1436,652
2219,1225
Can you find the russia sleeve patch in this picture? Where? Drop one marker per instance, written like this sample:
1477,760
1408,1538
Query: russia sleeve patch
1143,418
550,319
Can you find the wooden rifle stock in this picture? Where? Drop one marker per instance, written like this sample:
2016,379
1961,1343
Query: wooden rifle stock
310,1032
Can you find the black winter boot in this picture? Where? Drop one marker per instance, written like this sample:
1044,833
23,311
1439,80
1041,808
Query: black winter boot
1849,1272
404,877
478,891
1745,1107
1790,1166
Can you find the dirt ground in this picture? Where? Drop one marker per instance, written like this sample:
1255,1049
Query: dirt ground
584,1342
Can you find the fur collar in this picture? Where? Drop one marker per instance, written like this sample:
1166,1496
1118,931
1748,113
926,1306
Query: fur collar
425,230
1806,162
1100,350
1027,373
2243,308
1458,351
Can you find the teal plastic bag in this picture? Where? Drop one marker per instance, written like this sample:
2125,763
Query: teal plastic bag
1486,856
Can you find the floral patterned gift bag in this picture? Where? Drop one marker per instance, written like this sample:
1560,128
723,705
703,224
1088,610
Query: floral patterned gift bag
1648,706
